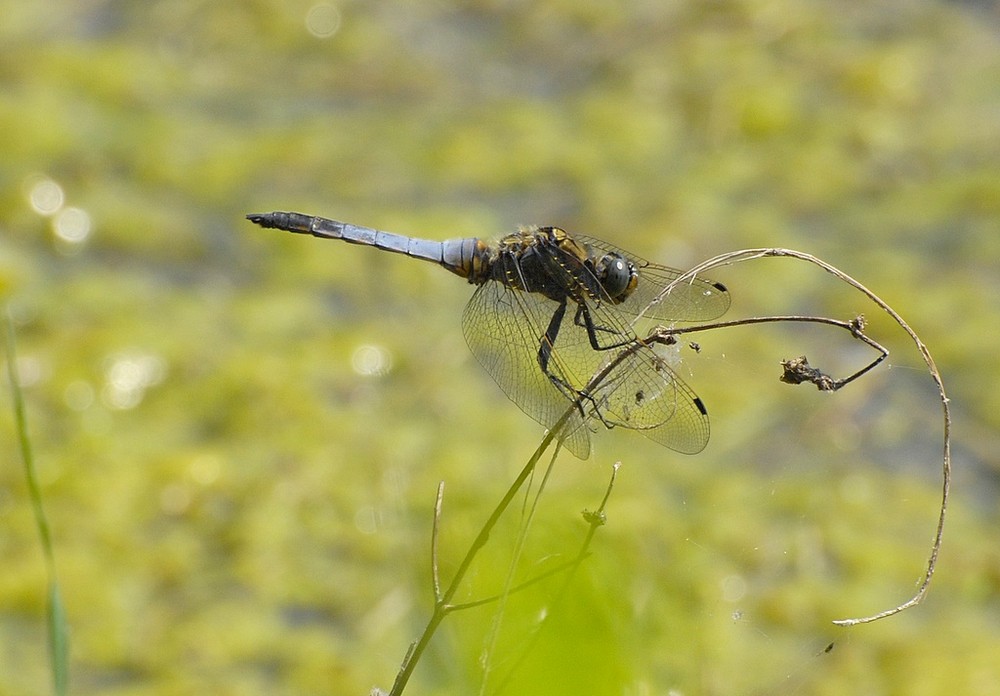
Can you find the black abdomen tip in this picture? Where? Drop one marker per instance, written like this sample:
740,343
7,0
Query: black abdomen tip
263,219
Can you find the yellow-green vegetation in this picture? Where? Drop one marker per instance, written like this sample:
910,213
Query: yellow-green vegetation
239,433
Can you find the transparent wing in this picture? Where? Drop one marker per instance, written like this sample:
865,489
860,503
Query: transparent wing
693,299
503,328
641,392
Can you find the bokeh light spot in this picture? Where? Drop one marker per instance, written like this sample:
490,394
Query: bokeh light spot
72,225
366,519
371,361
323,20
30,371
127,377
79,395
734,588
46,196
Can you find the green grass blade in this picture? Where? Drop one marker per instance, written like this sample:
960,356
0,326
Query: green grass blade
58,639
56,614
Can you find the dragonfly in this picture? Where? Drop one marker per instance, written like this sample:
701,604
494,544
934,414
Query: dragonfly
552,321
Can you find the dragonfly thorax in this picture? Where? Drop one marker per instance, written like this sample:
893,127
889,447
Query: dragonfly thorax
548,261
532,260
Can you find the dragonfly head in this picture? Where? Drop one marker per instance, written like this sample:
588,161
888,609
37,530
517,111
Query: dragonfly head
617,275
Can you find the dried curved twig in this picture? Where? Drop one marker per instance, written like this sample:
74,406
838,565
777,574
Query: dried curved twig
795,370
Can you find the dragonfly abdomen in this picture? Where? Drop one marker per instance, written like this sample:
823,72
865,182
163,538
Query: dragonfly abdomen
465,257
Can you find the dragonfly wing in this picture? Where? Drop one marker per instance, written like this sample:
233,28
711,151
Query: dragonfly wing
691,299
641,392
503,328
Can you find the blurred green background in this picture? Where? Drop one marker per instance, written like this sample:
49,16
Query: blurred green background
240,432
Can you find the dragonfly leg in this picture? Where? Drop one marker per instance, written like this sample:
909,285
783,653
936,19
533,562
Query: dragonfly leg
577,396
584,320
545,349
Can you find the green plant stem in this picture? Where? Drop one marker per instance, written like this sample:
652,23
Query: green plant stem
442,604
56,613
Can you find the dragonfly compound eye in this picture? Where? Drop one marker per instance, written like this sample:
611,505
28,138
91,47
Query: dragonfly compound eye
617,276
